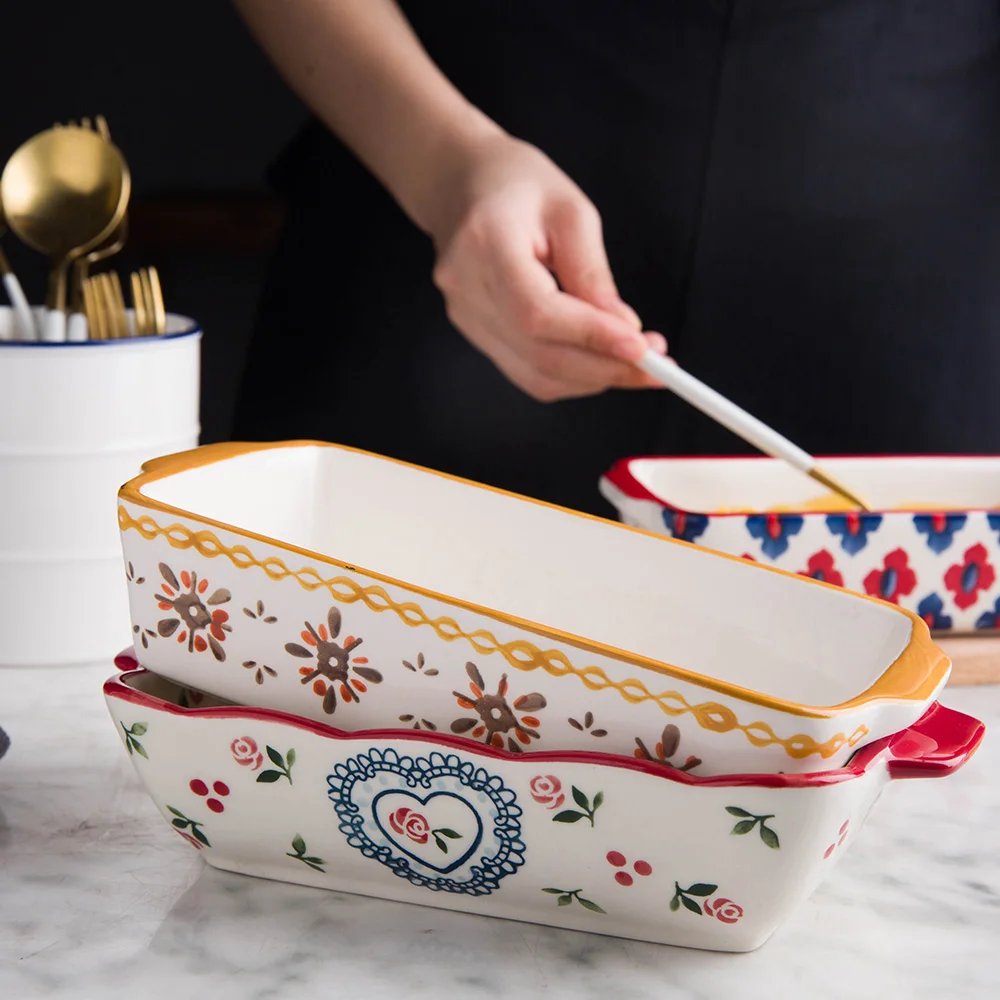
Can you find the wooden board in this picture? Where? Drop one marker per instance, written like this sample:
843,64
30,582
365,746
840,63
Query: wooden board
975,659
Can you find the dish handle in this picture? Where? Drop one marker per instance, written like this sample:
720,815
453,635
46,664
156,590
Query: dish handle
126,661
937,745
205,454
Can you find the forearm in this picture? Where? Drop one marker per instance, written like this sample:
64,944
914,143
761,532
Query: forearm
362,70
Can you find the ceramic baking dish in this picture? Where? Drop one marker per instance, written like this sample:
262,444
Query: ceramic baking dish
931,544
348,588
583,840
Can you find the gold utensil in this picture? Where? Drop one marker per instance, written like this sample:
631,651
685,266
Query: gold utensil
156,294
114,300
65,192
104,304
147,302
93,311
81,269
142,317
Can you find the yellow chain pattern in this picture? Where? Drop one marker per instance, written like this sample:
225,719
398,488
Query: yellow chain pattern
519,653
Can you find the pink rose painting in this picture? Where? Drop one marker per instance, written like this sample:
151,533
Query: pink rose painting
245,753
546,790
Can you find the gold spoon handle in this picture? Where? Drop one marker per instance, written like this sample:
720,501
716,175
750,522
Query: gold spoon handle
81,268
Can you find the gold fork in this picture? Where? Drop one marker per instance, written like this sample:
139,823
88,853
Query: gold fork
116,304
104,303
147,302
94,309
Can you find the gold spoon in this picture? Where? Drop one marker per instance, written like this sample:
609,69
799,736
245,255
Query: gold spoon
65,192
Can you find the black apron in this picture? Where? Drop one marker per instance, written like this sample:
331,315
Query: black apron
800,194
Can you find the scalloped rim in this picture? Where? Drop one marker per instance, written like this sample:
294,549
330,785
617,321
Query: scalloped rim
863,761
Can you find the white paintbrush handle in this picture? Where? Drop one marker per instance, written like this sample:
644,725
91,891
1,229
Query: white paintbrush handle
25,319
725,411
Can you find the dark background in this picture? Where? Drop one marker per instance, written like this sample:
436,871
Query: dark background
199,113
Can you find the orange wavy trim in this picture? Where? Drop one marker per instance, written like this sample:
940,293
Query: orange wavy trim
519,653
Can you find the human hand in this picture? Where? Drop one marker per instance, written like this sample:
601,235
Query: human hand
525,277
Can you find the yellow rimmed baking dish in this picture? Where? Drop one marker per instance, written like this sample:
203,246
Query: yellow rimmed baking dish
339,585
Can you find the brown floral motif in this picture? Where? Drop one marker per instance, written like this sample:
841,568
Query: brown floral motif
334,667
587,725
665,749
259,670
144,634
186,598
259,615
418,723
496,717
130,573
421,667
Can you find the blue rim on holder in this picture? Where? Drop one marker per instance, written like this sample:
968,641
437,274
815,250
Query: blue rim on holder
192,329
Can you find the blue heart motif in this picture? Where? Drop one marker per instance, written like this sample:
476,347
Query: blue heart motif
464,837
430,830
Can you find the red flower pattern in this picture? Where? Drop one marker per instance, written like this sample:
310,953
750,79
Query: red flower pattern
546,790
410,824
821,567
894,580
245,753
966,580
724,909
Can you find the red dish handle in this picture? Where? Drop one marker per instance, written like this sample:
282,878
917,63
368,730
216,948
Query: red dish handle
126,660
938,744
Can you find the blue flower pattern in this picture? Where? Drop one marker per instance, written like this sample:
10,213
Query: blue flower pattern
853,529
994,522
773,531
989,619
687,527
931,609
939,528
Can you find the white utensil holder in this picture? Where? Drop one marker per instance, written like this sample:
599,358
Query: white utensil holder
76,421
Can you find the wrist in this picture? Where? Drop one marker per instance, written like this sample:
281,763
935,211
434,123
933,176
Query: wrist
436,186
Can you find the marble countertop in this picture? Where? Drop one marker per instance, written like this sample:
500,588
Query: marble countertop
99,899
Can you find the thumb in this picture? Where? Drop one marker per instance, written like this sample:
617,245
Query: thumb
579,260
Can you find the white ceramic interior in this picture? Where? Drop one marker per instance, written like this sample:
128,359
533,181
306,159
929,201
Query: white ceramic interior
77,420
706,485
723,618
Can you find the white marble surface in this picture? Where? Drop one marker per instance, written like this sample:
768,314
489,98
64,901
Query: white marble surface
99,899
